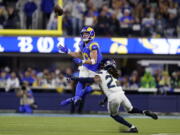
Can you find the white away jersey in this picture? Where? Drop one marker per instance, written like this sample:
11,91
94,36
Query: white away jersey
109,83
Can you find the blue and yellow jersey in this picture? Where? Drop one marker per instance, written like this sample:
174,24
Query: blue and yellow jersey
86,49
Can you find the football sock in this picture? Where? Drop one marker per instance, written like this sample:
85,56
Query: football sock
79,89
136,110
121,120
88,89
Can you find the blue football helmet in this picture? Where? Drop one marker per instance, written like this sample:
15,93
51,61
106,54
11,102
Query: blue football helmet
87,34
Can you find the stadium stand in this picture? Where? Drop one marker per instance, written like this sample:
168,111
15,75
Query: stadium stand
130,18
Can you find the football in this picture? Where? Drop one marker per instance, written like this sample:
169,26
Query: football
58,10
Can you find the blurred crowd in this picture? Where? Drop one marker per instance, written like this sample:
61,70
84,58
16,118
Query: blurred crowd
27,14
35,78
162,80
130,18
56,79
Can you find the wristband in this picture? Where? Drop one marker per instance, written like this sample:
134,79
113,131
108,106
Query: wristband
93,61
83,61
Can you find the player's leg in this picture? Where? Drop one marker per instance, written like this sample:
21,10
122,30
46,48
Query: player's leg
80,92
79,89
88,88
127,104
113,108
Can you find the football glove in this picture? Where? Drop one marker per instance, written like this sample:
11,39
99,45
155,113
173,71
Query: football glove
63,49
77,61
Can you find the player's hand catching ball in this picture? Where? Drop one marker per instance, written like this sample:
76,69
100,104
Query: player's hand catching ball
58,10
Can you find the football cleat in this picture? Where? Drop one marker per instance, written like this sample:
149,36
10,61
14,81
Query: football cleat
133,130
151,114
76,99
66,101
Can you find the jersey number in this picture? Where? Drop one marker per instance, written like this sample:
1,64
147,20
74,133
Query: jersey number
86,57
109,84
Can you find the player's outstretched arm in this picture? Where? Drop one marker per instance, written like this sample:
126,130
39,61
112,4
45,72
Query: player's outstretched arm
75,54
66,51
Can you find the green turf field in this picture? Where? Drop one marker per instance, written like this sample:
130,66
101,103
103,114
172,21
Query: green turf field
27,125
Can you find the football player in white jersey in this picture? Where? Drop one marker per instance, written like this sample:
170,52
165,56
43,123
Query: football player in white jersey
107,79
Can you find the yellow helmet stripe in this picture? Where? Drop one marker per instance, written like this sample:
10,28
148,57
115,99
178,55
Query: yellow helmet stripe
89,29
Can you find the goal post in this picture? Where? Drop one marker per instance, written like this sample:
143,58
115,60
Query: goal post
28,32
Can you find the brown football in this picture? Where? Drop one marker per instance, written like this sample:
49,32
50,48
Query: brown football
58,10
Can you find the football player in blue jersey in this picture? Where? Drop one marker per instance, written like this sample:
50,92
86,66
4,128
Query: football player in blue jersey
91,58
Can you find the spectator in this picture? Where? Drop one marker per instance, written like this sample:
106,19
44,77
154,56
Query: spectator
29,9
103,22
125,83
148,25
39,81
3,79
134,81
12,82
2,16
175,80
164,83
147,81
12,21
49,81
28,78
90,16
53,22
77,9
139,11
46,8
159,25
172,25
114,25
126,22
27,101
61,81
157,76
67,23
45,73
